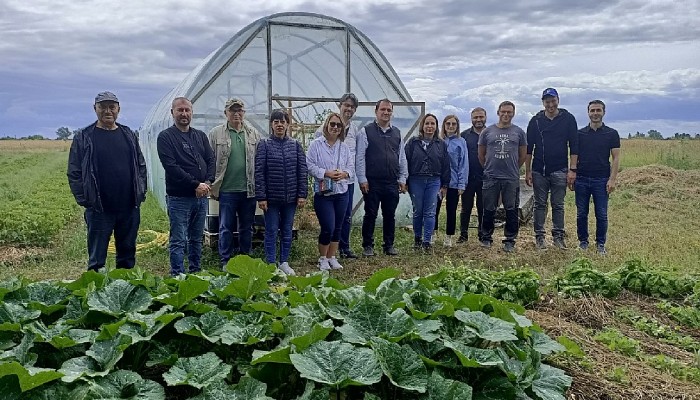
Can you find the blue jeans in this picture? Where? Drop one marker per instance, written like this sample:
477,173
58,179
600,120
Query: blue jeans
235,207
509,191
330,211
423,191
542,185
347,221
279,217
100,225
187,216
585,189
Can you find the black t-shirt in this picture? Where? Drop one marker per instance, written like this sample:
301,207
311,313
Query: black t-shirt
115,176
594,151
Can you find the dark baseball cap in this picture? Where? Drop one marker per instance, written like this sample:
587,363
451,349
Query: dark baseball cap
550,92
106,96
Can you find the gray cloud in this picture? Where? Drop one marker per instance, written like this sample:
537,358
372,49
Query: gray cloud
639,55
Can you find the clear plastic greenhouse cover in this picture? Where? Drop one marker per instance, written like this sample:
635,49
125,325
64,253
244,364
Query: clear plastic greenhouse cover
300,61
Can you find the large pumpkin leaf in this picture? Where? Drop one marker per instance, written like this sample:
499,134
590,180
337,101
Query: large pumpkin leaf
421,304
550,383
246,389
338,364
46,297
108,352
380,276
401,365
75,368
428,329
311,393
544,344
391,291
473,356
28,377
209,326
486,327
119,297
279,355
318,332
9,387
369,319
9,286
124,384
496,388
53,391
200,371
13,315
187,290
141,327
20,353
440,388
242,328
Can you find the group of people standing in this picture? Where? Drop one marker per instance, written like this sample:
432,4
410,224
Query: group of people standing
241,168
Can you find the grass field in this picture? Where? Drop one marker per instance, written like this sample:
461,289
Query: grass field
651,216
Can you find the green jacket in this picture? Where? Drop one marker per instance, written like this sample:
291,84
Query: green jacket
220,142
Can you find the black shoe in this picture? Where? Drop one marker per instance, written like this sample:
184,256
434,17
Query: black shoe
347,254
486,244
368,251
417,243
391,251
509,247
559,243
427,247
462,239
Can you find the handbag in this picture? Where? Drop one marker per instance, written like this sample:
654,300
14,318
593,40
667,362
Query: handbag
326,186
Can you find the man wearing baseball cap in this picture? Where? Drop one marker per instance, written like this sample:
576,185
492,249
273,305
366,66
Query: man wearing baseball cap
234,144
107,176
550,166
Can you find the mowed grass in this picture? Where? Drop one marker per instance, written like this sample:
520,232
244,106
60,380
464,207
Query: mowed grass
651,216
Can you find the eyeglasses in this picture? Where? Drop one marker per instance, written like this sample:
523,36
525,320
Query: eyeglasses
237,111
450,124
335,124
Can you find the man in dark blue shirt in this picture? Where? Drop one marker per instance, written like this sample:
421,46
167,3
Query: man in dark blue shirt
551,137
475,180
595,175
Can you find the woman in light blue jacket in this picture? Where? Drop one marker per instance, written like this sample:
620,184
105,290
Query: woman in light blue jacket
459,173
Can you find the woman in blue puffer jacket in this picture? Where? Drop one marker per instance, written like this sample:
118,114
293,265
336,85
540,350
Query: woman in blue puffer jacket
280,187
459,174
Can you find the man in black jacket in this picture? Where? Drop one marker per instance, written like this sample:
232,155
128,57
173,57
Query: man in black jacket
189,165
552,135
475,180
107,176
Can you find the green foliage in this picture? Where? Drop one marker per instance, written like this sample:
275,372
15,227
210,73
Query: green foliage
686,315
248,334
636,277
658,330
519,286
581,279
674,367
617,341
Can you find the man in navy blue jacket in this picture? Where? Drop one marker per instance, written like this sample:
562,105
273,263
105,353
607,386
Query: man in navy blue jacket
190,166
552,135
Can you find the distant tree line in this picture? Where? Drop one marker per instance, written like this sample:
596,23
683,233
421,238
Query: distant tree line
654,134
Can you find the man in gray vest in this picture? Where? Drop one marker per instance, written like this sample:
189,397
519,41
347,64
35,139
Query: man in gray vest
380,146
234,145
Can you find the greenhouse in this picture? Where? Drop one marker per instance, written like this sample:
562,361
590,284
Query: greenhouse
299,61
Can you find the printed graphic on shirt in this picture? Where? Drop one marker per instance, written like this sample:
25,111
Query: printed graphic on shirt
502,152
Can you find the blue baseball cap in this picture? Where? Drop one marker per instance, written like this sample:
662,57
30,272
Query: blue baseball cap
550,92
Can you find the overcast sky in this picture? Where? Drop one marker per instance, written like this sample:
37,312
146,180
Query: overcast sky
642,57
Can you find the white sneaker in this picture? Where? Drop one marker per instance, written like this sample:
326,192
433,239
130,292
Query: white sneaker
323,264
284,267
448,240
333,262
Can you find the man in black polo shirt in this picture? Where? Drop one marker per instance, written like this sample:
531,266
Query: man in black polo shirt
381,170
475,180
551,137
595,175
107,176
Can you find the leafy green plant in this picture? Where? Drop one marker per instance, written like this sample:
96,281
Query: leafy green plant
248,333
674,367
581,279
520,286
686,315
619,374
617,341
658,330
636,277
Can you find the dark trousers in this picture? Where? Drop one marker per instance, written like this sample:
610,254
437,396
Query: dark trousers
330,211
384,194
472,192
347,221
597,189
508,190
279,218
100,225
452,199
236,214
555,185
